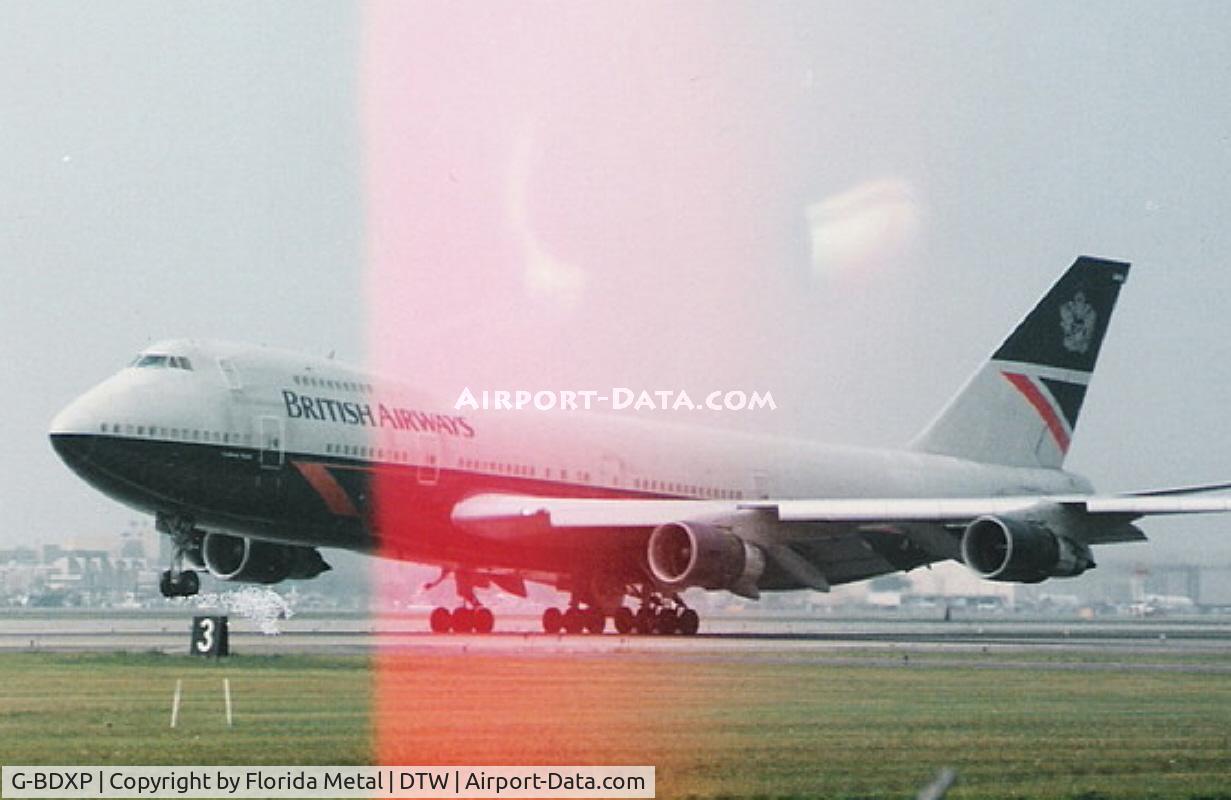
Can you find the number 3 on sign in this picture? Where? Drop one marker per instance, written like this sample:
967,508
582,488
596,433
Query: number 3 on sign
206,643
209,636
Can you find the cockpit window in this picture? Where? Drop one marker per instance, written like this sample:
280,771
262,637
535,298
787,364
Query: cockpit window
160,361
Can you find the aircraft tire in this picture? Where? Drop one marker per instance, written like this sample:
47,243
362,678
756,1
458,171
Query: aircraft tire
643,622
665,622
463,620
441,620
623,619
688,622
595,620
484,620
553,620
574,621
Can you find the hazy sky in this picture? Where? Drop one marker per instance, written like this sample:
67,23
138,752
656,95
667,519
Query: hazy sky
849,205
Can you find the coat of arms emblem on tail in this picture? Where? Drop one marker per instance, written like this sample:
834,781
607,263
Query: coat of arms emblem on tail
1077,319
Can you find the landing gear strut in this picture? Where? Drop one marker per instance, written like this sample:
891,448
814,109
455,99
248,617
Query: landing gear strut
185,540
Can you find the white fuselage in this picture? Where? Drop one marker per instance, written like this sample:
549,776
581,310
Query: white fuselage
317,437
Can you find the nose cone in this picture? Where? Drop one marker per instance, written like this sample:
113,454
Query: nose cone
76,418
72,433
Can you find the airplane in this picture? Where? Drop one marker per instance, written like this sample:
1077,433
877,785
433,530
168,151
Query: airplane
1155,604
252,459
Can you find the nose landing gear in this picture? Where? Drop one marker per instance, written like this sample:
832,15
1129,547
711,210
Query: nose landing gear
179,583
185,547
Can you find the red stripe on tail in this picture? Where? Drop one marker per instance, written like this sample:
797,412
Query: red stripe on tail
1041,404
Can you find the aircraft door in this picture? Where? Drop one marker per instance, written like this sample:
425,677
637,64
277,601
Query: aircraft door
271,445
429,456
760,484
230,375
271,436
612,470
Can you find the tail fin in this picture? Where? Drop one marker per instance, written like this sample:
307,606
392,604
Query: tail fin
1021,407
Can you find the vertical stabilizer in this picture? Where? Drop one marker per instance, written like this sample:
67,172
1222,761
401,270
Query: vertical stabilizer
1021,407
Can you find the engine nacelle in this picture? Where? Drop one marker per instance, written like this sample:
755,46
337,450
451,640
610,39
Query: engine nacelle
684,554
1010,549
243,560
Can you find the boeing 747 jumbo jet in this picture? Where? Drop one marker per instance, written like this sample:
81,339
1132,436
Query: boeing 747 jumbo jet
251,459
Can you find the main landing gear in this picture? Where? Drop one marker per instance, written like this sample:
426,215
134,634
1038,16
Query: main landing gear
657,614
470,617
463,619
185,546
575,619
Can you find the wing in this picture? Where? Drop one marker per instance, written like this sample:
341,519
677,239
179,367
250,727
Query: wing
558,512
816,543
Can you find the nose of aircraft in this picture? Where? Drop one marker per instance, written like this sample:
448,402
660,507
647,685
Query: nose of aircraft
72,431
74,418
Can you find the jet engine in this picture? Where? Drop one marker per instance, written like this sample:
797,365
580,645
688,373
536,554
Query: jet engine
237,558
684,554
1025,551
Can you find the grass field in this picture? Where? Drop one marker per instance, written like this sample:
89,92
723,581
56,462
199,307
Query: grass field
712,727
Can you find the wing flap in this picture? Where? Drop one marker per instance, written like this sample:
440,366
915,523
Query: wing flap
567,512
1148,505
894,509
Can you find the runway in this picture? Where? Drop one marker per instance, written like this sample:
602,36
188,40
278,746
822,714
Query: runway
1192,644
